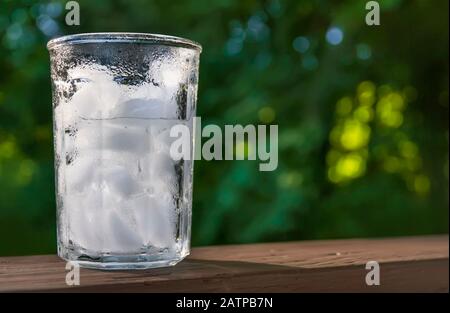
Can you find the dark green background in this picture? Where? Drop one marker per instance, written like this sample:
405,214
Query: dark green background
363,125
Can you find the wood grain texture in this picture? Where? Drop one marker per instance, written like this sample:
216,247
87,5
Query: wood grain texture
418,264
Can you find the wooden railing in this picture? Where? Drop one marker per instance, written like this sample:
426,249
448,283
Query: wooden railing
417,264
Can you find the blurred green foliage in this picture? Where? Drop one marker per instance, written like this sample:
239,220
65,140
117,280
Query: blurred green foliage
362,114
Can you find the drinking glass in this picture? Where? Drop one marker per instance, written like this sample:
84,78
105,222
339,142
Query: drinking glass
122,201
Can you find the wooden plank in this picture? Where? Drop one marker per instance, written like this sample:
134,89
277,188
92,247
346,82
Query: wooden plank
417,264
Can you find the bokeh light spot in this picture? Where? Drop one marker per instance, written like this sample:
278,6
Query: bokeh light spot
350,166
266,115
344,106
47,25
310,62
422,184
408,149
335,36
263,60
364,114
7,149
391,164
290,180
363,52
366,93
54,9
389,110
396,100
413,164
234,46
14,32
355,135
25,172
301,44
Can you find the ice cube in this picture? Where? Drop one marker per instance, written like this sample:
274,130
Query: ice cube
118,180
98,221
154,220
96,99
86,225
124,136
157,175
79,175
140,108
123,236
87,174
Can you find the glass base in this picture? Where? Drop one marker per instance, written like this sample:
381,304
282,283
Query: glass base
127,265
122,262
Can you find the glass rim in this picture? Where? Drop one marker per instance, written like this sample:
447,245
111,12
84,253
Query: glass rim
120,37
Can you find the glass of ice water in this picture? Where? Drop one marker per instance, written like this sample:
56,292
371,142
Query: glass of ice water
122,201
